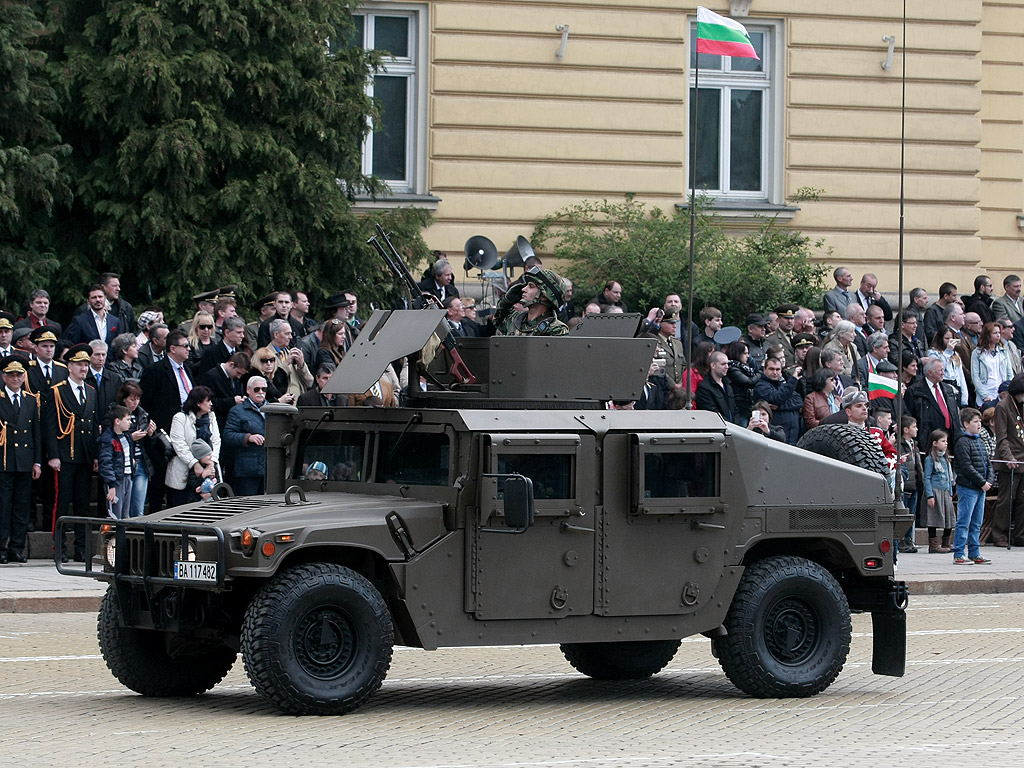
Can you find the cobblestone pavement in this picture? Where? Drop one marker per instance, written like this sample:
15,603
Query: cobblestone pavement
517,707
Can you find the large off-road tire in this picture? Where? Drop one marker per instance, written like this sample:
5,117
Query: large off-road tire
788,629
317,640
847,443
158,663
620,661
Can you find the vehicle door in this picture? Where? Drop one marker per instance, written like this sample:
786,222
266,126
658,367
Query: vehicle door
548,570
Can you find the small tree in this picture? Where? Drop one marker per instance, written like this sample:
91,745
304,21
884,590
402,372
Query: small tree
31,182
645,250
648,253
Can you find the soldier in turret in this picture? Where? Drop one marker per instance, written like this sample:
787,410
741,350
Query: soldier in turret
541,293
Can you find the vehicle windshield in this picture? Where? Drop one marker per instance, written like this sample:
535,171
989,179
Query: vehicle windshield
334,455
413,458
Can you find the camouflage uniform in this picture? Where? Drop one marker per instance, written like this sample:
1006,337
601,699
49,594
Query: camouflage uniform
508,322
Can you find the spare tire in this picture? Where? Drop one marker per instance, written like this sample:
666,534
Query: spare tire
846,443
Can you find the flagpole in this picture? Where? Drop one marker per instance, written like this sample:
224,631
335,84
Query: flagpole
688,397
898,488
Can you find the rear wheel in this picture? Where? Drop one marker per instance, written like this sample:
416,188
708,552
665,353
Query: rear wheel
788,630
158,663
317,639
620,661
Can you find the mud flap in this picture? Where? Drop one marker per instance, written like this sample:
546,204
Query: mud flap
889,651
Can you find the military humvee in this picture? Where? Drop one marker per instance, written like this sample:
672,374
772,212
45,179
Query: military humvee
513,510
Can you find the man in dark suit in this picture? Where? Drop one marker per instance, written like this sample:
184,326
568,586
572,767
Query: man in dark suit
20,461
87,326
232,341
104,380
71,428
440,281
165,385
932,403
867,296
282,311
225,381
154,350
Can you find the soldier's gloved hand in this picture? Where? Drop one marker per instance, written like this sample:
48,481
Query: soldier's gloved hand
515,292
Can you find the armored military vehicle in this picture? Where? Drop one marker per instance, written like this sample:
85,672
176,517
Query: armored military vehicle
513,509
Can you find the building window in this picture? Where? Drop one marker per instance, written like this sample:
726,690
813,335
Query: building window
395,148
736,119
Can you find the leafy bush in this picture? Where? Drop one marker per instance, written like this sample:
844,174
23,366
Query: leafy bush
647,251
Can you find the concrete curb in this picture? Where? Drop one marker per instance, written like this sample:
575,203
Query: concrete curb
49,603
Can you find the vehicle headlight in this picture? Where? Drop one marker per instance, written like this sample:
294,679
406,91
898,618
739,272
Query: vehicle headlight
190,552
109,550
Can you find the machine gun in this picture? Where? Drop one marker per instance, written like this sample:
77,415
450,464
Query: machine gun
420,300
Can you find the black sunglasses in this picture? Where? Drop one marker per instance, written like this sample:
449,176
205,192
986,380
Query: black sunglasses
259,389
205,327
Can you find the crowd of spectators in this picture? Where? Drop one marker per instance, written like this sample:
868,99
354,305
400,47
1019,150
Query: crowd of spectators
161,412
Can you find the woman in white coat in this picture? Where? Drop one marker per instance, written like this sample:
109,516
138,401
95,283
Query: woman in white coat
187,470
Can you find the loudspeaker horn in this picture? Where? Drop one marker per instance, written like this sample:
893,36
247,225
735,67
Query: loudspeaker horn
481,253
518,253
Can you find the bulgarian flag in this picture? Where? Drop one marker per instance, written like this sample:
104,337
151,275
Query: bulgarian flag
880,386
720,36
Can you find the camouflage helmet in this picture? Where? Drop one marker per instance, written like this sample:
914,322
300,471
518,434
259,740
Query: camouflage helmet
550,284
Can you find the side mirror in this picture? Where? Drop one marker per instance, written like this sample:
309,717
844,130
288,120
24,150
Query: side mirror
518,502
518,497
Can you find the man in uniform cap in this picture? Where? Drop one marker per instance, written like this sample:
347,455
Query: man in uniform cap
45,370
71,427
671,348
756,339
21,456
784,335
6,334
265,308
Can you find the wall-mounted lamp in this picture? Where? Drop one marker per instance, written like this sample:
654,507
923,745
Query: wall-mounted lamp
739,8
564,29
891,40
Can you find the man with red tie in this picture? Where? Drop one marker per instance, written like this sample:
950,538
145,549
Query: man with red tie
933,403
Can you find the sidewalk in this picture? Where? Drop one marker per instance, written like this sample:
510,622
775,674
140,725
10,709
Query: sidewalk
36,587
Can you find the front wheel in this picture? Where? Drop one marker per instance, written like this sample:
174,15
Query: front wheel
788,630
317,640
158,663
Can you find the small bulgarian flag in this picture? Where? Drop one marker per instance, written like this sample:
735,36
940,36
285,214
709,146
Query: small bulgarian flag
720,36
880,386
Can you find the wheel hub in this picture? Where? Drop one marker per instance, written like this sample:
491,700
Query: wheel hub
324,643
791,631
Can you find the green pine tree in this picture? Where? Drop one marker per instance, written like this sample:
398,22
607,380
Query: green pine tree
215,142
31,184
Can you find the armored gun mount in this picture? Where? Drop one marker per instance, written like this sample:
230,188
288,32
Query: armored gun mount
578,371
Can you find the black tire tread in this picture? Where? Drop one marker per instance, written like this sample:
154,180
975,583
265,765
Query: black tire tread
136,660
737,651
262,631
845,443
620,661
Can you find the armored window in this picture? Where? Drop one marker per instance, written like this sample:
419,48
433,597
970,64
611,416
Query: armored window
551,473
736,119
413,458
677,475
673,474
341,452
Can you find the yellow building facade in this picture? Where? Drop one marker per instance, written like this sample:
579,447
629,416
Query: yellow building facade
515,109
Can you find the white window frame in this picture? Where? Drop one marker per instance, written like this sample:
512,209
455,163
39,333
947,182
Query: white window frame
772,82
414,67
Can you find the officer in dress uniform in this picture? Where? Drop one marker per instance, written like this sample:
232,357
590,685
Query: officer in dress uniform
71,428
43,372
21,457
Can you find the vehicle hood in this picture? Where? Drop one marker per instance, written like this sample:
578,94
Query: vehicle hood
325,518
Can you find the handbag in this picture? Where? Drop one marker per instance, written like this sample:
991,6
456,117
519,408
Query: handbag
164,443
